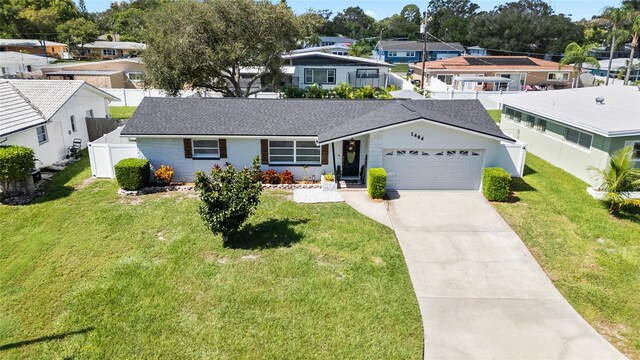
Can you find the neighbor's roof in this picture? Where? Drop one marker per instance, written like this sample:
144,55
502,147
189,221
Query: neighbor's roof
92,65
327,48
336,57
28,42
85,72
616,64
16,113
337,39
325,119
16,57
492,63
124,45
389,45
618,116
47,96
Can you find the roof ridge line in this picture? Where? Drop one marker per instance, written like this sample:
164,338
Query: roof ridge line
26,99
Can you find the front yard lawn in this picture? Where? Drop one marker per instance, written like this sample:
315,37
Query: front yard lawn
400,69
592,257
89,274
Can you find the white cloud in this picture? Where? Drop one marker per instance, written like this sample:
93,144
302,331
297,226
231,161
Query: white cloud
370,13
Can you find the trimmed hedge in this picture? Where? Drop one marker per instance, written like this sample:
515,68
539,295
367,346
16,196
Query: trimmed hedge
132,173
16,162
377,183
495,184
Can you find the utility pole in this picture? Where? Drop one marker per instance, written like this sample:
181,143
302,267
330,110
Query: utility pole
423,31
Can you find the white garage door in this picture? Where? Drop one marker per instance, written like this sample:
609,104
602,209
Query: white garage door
426,169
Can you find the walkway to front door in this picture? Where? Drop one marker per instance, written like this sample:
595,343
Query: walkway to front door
482,295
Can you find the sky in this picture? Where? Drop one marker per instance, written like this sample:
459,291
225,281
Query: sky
380,9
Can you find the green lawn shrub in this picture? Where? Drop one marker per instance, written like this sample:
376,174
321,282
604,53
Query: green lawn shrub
132,174
495,184
377,183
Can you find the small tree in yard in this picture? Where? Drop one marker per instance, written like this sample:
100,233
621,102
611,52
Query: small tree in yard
617,179
228,197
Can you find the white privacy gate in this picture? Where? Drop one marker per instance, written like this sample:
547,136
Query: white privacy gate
426,169
107,151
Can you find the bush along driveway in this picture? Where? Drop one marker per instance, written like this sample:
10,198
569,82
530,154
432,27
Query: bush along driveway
90,274
592,257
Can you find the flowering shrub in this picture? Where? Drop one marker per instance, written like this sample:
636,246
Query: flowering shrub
286,177
270,177
164,174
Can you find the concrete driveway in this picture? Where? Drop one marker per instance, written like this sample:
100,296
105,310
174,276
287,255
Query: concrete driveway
482,295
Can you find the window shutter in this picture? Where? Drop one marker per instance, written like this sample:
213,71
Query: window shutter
264,151
188,151
324,154
223,148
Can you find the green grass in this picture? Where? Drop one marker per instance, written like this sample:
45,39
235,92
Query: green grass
592,257
495,115
400,68
122,112
89,274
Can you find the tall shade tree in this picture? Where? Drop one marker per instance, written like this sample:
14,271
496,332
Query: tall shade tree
615,18
312,22
206,44
578,56
353,22
34,19
634,31
78,32
450,18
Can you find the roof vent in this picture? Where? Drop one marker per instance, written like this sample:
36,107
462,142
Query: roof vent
600,100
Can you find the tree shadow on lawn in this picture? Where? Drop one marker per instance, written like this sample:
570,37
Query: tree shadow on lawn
269,234
44,339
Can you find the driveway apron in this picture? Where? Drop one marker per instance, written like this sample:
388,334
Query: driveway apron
481,293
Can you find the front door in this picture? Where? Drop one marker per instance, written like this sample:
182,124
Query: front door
351,158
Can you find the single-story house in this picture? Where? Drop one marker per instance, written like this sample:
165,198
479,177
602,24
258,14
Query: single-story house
35,47
426,144
616,66
328,70
571,129
330,49
111,74
16,63
495,73
47,115
108,50
394,51
476,51
603,52
332,40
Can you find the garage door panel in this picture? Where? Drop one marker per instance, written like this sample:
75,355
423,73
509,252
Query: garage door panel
433,169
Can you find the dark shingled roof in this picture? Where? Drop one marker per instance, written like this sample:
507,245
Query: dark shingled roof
326,119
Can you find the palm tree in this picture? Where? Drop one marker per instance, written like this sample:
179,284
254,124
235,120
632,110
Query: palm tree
313,40
616,18
634,19
617,179
578,56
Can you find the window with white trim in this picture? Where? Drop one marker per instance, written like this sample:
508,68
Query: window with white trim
558,76
73,123
42,134
294,152
319,76
206,149
392,53
411,53
343,53
108,52
579,138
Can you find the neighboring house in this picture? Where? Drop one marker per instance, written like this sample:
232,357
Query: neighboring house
332,40
603,52
113,74
569,129
411,51
422,144
35,47
331,49
47,115
616,66
16,63
107,50
495,73
328,70
476,51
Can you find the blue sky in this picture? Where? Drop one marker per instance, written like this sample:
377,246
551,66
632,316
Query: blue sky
380,9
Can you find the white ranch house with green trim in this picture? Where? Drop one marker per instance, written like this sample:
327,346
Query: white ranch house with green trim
573,131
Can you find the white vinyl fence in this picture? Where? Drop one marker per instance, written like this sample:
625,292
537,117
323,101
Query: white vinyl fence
512,157
107,151
489,99
399,82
